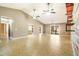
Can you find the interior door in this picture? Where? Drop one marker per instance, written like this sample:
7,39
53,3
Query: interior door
3,33
2,30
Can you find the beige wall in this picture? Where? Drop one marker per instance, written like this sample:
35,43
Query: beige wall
63,33
47,29
20,21
62,29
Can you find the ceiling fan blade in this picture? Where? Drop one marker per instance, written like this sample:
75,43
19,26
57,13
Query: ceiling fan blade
37,16
53,12
52,9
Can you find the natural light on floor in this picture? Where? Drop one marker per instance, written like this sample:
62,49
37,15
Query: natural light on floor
55,40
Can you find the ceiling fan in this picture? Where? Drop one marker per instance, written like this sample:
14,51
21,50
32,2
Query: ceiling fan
49,10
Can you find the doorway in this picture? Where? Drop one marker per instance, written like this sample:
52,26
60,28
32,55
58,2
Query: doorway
55,29
6,28
3,32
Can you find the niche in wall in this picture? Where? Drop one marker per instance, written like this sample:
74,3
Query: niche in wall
30,29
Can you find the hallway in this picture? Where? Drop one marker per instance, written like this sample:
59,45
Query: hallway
42,45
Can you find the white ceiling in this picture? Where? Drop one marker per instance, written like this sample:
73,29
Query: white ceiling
58,17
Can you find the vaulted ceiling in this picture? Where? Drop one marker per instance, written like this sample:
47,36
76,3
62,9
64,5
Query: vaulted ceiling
58,17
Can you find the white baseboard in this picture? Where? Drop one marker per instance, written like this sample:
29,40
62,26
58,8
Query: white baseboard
18,37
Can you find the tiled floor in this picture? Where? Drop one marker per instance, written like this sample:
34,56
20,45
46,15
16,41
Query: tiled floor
44,45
